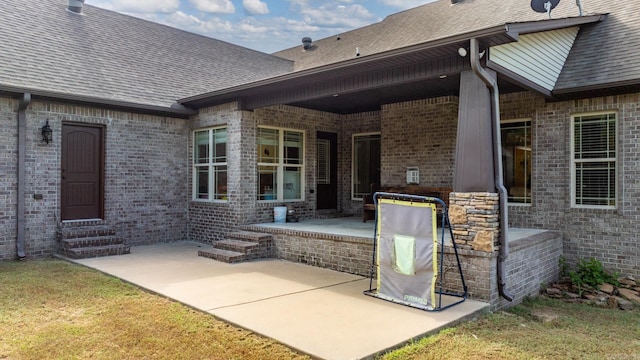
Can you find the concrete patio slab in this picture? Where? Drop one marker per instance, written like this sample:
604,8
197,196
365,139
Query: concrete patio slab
316,311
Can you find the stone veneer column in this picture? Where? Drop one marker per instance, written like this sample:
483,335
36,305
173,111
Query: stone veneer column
475,220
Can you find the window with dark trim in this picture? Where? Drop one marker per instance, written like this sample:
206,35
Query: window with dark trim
366,163
280,164
210,164
516,160
594,160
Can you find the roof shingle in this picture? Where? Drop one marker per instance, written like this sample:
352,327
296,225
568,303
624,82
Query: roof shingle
106,55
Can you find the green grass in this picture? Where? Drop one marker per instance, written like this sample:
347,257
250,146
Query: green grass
537,329
56,310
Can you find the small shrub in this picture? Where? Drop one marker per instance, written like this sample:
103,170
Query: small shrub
588,273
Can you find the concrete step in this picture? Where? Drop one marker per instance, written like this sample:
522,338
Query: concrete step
95,251
227,256
90,242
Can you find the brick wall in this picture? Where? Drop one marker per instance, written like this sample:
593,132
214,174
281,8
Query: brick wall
212,221
8,177
145,175
419,133
611,236
341,253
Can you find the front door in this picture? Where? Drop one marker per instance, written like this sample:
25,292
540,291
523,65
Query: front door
327,171
82,172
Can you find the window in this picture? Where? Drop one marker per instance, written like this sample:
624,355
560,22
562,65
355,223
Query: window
210,164
323,171
366,163
593,160
516,160
280,164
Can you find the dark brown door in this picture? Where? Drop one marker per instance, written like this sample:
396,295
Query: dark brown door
327,171
82,172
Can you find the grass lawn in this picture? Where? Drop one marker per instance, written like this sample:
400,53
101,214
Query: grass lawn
55,310
537,329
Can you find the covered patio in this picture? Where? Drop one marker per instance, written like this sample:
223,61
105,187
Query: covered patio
316,311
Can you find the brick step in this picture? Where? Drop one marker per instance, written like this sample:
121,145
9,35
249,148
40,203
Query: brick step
81,223
251,236
90,242
227,256
73,232
95,251
241,246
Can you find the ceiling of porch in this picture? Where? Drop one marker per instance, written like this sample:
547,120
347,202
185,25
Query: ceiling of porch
367,83
364,86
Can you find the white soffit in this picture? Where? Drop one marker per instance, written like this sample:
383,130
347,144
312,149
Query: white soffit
538,57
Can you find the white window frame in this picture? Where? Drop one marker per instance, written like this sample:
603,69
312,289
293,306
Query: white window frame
211,165
511,121
353,160
281,165
575,161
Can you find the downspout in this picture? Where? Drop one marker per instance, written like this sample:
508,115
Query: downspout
22,133
492,83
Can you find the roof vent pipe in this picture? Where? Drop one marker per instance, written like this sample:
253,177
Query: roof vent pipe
579,4
75,6
306,42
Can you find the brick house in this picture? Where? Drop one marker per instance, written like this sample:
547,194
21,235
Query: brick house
174,136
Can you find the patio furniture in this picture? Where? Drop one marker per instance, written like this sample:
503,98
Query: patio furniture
369,209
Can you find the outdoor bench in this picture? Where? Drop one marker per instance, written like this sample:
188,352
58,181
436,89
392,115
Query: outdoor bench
368,207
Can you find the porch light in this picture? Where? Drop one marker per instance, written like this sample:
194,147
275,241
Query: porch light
47,133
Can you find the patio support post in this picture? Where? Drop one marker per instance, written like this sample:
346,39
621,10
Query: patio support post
491,81
22,132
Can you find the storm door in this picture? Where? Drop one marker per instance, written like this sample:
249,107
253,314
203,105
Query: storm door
327,171
82,193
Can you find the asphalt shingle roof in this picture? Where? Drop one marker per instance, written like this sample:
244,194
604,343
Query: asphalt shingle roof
106,55
604,52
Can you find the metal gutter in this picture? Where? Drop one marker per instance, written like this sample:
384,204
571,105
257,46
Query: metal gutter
517,29
597,87
175,110
492,83
22,133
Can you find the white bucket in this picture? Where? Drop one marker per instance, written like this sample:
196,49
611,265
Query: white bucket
280,214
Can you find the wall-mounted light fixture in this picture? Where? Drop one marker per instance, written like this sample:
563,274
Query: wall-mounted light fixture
47,133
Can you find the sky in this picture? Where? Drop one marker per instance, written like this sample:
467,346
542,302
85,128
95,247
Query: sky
263,25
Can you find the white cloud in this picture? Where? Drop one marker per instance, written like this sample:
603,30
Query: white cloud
255,7
214,6
333,14
211,27
138,6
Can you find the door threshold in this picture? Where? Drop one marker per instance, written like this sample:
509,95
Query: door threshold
80,220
